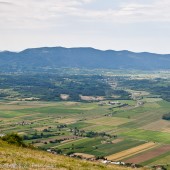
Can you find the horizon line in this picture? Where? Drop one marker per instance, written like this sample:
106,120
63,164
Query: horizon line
85,47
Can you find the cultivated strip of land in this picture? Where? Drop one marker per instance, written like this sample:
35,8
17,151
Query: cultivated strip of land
130,152
149,155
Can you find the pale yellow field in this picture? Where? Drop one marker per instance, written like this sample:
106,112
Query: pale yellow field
17,105
167,130
87,98
67,120
71,103
110,121
83,155
130,152
117,140
152,100
160,125
64,96
68,142
41,128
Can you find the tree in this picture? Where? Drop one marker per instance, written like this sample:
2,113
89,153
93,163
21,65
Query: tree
14,138
42,134
166,116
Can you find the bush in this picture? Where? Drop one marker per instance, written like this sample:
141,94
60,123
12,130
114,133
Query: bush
166,116
14,138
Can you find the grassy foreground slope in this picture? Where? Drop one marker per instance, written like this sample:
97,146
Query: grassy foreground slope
13,157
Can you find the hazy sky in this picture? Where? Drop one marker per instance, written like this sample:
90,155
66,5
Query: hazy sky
137,25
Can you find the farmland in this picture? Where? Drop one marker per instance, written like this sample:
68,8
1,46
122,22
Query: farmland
150,154
135,150
127,128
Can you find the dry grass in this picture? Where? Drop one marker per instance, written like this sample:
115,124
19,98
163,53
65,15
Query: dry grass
12,157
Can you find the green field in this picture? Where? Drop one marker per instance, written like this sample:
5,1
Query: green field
163,160
85,117
146,135
89,127
95,147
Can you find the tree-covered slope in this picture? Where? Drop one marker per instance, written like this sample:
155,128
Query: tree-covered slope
82,58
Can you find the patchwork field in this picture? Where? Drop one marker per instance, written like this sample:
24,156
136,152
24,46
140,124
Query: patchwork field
91,129
99,128
159,160
97,147
110,121
130,152
160,125
149,155
85,156
147,135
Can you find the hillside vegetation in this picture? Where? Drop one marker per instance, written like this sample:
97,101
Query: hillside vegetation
38,58
13,157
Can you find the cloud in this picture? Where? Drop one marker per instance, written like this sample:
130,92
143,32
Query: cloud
35,13
155,11
125,11
5,3
26,11
109,23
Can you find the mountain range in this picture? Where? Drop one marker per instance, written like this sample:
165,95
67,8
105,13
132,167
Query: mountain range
90,58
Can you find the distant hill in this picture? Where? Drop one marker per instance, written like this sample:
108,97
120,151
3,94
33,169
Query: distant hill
13,157
83,58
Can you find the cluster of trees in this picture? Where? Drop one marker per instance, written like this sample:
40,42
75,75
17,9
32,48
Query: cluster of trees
37,136
166,116
14,139
123,95
62,126
92,134
157,86
163,91
56,141
50,86
77,132
3,94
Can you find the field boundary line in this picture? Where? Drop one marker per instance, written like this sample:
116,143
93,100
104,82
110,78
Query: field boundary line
68,142
132,151
138,152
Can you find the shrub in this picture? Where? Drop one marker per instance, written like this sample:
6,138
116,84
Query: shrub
166,116
14,138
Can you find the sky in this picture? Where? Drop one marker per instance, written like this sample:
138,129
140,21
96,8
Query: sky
135,25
